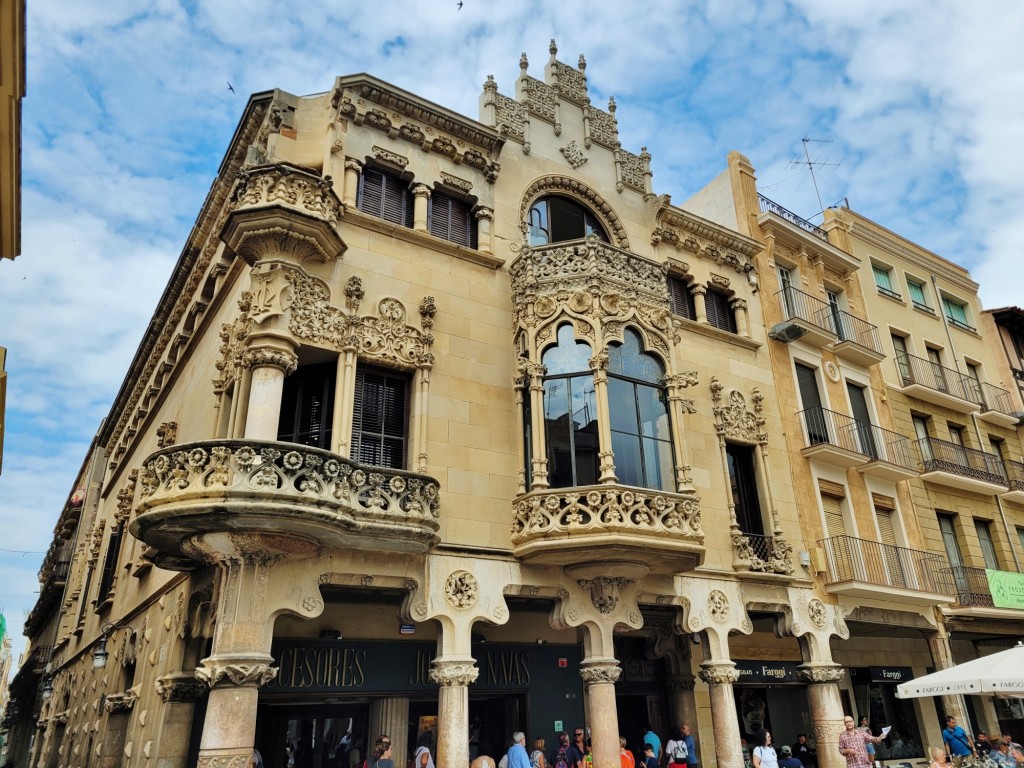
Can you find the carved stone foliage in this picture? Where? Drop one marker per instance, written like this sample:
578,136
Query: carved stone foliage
719,674
824,673
240,760
816,613
388,157
510,114
604,591
573,154
606,508
451,673
461,589
126,496
582,192
463,185
718,606
166,434
214,673
732,419
762,554
632,169
685,241
289,185
372,500
600,673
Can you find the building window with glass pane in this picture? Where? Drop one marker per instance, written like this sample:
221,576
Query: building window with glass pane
307,406
883,281
638,403
379,418
956,313
570,412
555,219
916,291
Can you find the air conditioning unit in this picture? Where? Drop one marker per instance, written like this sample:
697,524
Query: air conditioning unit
787,332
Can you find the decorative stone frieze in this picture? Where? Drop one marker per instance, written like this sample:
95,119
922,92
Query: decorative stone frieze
463,185
390,158
600,671
633,170
180,687
290,185
166,434
239,672
237,760
732,419
604,591
451,673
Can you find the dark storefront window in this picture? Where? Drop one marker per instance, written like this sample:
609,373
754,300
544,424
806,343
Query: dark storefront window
878,701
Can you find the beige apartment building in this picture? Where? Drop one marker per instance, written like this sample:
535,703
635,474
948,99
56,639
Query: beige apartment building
455,427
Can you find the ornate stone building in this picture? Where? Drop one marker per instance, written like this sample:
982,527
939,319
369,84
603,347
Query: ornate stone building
457,427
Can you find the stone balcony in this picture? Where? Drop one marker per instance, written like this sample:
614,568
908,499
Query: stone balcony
215,486
608,524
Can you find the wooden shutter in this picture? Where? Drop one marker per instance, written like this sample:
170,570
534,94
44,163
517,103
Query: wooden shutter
719,313
451,219
385,196
379,419
834,523
886,526
371,191
107,575
680,299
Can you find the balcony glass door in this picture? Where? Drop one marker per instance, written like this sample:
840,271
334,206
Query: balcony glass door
814,418
786,283
837,316
862,425
956,559
902,360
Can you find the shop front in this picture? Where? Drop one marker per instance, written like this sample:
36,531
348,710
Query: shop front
874,690
324,705
771,695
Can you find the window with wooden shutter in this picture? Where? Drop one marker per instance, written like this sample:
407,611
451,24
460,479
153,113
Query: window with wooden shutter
680,299
720,314
892,555
109,572
307,406
379,418
832,505
451,219
385,196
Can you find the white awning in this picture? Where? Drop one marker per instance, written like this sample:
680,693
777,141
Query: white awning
1000,673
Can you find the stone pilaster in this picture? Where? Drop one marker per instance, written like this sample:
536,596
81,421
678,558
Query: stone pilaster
700,307
391,716
720,676
454,677
942,656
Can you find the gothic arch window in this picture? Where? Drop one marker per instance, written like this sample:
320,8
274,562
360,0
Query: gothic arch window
638,404
570,412
555,218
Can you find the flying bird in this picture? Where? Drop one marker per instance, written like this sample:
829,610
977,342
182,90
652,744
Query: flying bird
231,87
460,5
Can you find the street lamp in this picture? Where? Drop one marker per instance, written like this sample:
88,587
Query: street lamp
100,653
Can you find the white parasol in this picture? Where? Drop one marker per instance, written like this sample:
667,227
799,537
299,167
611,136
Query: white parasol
1000,673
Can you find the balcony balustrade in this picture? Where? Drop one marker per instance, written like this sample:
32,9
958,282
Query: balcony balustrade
763,554
970,586
966,469
1015,479
770,206
846,442
814,317
997,405
261,486
609,523
863,568
858,339
937,384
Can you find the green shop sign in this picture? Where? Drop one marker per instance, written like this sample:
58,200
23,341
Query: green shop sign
1007,588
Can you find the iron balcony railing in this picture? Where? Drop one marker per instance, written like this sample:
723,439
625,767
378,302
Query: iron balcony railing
1014,475
885,565
917,370
944,456
995,398
877,443
766,554
797,304
970,585
856,329
770,206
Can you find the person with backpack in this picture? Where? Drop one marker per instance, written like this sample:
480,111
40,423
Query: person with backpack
677,750
567,755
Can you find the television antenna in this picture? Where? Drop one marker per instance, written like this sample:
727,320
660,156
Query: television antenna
806,160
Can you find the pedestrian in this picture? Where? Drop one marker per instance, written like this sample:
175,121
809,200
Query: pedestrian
786,759
853,744
424,746
804,752
957,741
384,756
650,761
938,755
517,757
764,755
626,759
537,758
650,737
676,749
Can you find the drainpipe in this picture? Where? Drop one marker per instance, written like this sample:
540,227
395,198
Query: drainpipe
974,420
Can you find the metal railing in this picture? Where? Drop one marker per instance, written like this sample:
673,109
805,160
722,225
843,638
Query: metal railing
766,554
888,292
885,565
770,206
970,585
1014,475
944,456
856,329
917,370
961,324
923,307
797,304
875,442
995,398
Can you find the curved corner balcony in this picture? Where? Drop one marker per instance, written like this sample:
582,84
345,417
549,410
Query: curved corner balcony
608,524
217,486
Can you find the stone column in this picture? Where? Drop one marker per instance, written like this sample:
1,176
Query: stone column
178,692
942,655
391,716
454,677
269,363
483,230
739,309
826,711
682,704
599,676
599,365
351,190
680,406
700,306
421,194
720,675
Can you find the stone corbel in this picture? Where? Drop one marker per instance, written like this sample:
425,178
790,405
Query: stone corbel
600,597
813,623
180,687
714,608
121,703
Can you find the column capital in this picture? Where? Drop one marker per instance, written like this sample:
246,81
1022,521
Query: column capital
353,165
821,673
271,357
483,213
698,290
454,672
600,671
180,687
248,670
421,190
719,672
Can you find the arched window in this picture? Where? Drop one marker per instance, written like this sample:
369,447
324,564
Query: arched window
638,403
553,219
570,413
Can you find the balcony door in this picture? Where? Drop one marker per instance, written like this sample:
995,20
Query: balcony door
859,409
814,416
786,283
836,314
956,559
892,554
938,370
899,344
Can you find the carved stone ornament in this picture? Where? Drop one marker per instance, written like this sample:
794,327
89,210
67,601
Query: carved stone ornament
271,357
719,674
455,182
166,434
633,170
120,703
451,673
180,687
817,613
718,605
827,673
126,496
604,591
239,760
733,421
293,186
573,153
461,589
827,731
580,191
214,673
600,672
389,158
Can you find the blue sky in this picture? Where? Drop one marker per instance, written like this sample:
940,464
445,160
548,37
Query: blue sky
128,114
